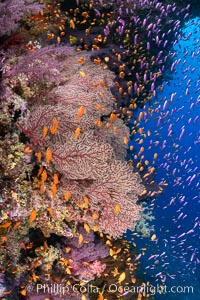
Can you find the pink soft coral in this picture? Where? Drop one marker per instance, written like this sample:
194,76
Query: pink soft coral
97,268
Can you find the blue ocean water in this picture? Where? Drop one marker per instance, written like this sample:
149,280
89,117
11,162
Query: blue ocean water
173,120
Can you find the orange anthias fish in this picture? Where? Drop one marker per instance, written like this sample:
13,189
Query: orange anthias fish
100,296
99,123
44,176
117,208
155,155
7,292
102,83
95,216
140,116
17,224
6,225
50,211
80,112
125,140
55,122
121,277
141,150
153,237
44,132
54,127
99,107
67,195
113,117
95,228
35,277
80,239
55,179
86,227
39,156
86,200
72,24
27,150
83,74
81,60
54,189
33,215
97,61
48,155
77,133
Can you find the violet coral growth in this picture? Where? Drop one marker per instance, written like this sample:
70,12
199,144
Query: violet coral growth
11,12
84,258
39,68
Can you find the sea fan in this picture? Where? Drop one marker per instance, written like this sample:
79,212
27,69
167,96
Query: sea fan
38,66
114,198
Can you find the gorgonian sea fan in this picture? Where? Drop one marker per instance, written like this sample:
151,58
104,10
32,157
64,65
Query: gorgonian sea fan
40,66
112,206
91,159
82,159
114,197
114,135
66,116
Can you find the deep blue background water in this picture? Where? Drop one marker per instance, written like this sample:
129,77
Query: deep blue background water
177,210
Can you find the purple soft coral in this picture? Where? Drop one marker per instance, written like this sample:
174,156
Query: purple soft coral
11,12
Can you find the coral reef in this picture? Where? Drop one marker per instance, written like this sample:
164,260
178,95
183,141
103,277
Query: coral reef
86,164
67,195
